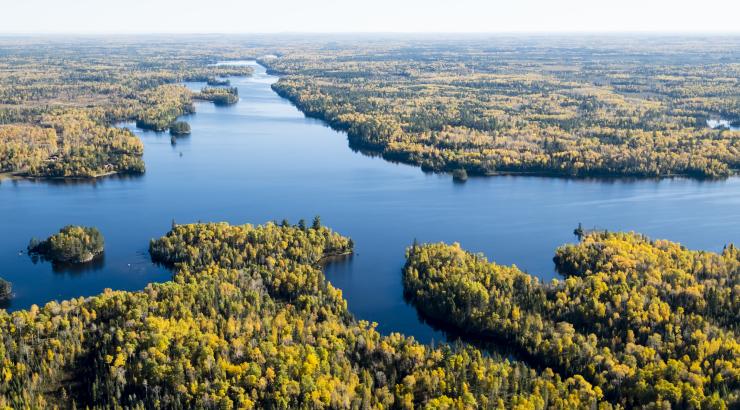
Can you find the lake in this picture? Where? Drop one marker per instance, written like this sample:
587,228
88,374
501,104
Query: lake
262,160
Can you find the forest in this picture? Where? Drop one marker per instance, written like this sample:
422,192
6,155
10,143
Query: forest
648,322
249,321
248,318
72,244
60,104
605,108
611,108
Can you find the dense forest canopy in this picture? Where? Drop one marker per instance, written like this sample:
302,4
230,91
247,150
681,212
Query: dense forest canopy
591,106
650,323
249,321
219,95
615,106
72,244
59,103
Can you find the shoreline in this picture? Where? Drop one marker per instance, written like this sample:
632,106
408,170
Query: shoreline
19,176
356,143
330,257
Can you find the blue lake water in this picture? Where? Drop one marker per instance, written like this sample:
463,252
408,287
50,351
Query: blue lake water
262,160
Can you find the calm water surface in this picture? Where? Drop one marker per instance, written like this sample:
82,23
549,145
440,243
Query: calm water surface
261,160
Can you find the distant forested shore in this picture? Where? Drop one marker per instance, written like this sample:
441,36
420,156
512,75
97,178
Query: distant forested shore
60,122
540,110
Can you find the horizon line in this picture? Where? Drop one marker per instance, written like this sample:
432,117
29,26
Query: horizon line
399,33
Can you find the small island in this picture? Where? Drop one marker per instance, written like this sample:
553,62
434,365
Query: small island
179,128
219,95
460,175
215,81
73,244
6,290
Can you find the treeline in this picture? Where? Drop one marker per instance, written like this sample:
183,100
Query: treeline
249,321
165,103
650,323
69,144
59,104
540,109
26,148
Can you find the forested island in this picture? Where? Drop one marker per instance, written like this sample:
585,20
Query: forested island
72,244
545,107
59,119
648,323
219,95
216,82
179,128
6,291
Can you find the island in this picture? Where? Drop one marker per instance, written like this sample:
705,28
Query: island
219,95
460,175
217,82
6,291
72,244
179,128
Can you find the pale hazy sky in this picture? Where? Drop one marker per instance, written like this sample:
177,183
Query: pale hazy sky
267,16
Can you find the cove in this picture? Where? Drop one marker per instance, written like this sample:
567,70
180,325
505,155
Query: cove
262,160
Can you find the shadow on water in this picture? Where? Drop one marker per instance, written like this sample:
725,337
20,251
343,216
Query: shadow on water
73,269
359,146
92,181
337,261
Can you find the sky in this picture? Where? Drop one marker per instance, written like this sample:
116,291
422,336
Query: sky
327,16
